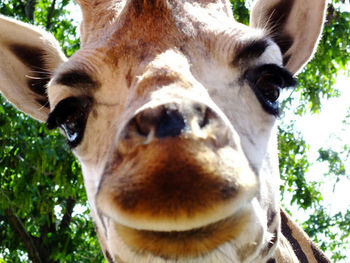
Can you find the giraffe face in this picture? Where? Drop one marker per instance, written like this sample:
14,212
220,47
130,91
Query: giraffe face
170,106
156,121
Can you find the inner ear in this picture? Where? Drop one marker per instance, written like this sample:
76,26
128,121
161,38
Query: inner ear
28,58
38,76
277,20
294,25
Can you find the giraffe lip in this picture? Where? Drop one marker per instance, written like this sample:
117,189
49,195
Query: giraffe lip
187,243
176,187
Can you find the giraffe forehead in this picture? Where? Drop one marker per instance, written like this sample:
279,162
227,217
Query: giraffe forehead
143,28
156,44
124,43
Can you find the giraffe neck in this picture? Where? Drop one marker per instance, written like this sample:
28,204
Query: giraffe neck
295,246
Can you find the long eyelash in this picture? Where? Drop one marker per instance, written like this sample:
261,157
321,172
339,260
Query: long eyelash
289,80
284,79
66,108
76,108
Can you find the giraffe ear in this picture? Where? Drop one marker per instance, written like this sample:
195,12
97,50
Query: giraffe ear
28,56
295,25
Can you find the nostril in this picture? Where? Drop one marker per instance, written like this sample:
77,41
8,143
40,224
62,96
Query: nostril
205,118
162,121
171,123
204,115
145,123
171,120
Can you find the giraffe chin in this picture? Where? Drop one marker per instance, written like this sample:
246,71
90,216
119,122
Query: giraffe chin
184,244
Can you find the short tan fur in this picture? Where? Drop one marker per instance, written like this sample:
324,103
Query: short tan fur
171,108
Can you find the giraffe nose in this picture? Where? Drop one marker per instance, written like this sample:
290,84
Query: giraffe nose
164,121
170,120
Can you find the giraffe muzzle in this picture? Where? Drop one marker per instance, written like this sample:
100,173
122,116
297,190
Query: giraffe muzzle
174,168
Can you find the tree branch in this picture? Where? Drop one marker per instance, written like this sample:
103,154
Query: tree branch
23,7
67,217
50,14
332,14
25,236
19,157
29,10
48,227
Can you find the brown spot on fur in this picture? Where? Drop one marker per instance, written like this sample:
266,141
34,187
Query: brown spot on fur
96,4
157,80
128,79
140,5
287,232
320,257
151,31
271,260
108,257
186,243
94,113
271,215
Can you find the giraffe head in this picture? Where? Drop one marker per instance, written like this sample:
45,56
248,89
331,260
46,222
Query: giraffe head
170,106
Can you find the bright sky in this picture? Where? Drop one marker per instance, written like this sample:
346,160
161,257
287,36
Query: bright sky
326,130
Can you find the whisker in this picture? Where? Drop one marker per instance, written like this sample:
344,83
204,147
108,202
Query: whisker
33,77
43,72
266,26
46,105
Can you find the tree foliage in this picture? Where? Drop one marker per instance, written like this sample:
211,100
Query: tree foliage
315,84
43,214
41,181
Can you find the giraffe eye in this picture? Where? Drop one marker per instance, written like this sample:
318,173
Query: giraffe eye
72,129
269,86
267,81
71,115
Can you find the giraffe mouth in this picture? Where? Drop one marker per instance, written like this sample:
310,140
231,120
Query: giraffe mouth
176,186
184,244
